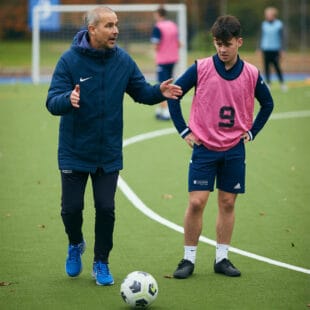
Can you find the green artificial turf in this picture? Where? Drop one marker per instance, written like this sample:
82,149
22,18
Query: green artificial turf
272,218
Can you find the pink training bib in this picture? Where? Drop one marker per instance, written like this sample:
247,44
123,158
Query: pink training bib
168,47
222,110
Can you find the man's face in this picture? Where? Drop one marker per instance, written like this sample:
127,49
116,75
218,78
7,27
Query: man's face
105,33
228,51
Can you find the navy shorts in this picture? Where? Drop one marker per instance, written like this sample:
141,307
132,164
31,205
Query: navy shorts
227,167
164,72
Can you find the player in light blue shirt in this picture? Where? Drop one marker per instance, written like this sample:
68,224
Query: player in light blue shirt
272,43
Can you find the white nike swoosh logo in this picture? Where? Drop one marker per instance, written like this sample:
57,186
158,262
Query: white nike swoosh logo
85,79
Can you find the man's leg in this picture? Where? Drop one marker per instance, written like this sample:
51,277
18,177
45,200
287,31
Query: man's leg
72,203
104,188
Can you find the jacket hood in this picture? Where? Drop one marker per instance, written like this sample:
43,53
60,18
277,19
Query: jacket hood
81,44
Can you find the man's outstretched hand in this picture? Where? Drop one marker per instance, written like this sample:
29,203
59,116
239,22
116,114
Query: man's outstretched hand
170,90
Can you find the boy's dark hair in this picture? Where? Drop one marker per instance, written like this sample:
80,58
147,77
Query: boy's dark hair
225,28
162,12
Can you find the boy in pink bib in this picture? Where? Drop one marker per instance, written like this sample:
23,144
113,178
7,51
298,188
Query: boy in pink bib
220,123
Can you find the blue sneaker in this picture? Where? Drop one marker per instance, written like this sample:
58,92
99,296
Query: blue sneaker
73,261
102,274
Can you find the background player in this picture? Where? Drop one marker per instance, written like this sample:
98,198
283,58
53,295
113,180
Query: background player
272,44
165,37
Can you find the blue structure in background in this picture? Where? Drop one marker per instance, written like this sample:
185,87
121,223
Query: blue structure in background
49,21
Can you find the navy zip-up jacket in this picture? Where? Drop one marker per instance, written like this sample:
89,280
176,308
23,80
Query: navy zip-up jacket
90,137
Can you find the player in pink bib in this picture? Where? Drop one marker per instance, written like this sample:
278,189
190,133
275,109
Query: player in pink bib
220,123
165,38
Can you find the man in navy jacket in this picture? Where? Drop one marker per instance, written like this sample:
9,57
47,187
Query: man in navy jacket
87,91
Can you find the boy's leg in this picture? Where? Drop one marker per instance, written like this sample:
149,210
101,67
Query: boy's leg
202,171
226,217
230,182
193,219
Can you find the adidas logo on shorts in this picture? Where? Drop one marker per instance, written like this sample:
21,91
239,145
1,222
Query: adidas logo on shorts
237,186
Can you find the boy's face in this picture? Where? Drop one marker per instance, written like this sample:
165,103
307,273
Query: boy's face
228,51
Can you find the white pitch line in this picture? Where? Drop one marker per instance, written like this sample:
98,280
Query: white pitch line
148,135
293,114
138,203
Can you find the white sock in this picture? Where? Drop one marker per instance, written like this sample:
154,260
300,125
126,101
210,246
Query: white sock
158,110
190,253
165,112
221,252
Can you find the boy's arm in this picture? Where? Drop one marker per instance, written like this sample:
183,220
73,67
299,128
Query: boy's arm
262,94
186,82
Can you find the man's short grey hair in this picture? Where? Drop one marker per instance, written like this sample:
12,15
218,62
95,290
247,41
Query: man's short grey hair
93,16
